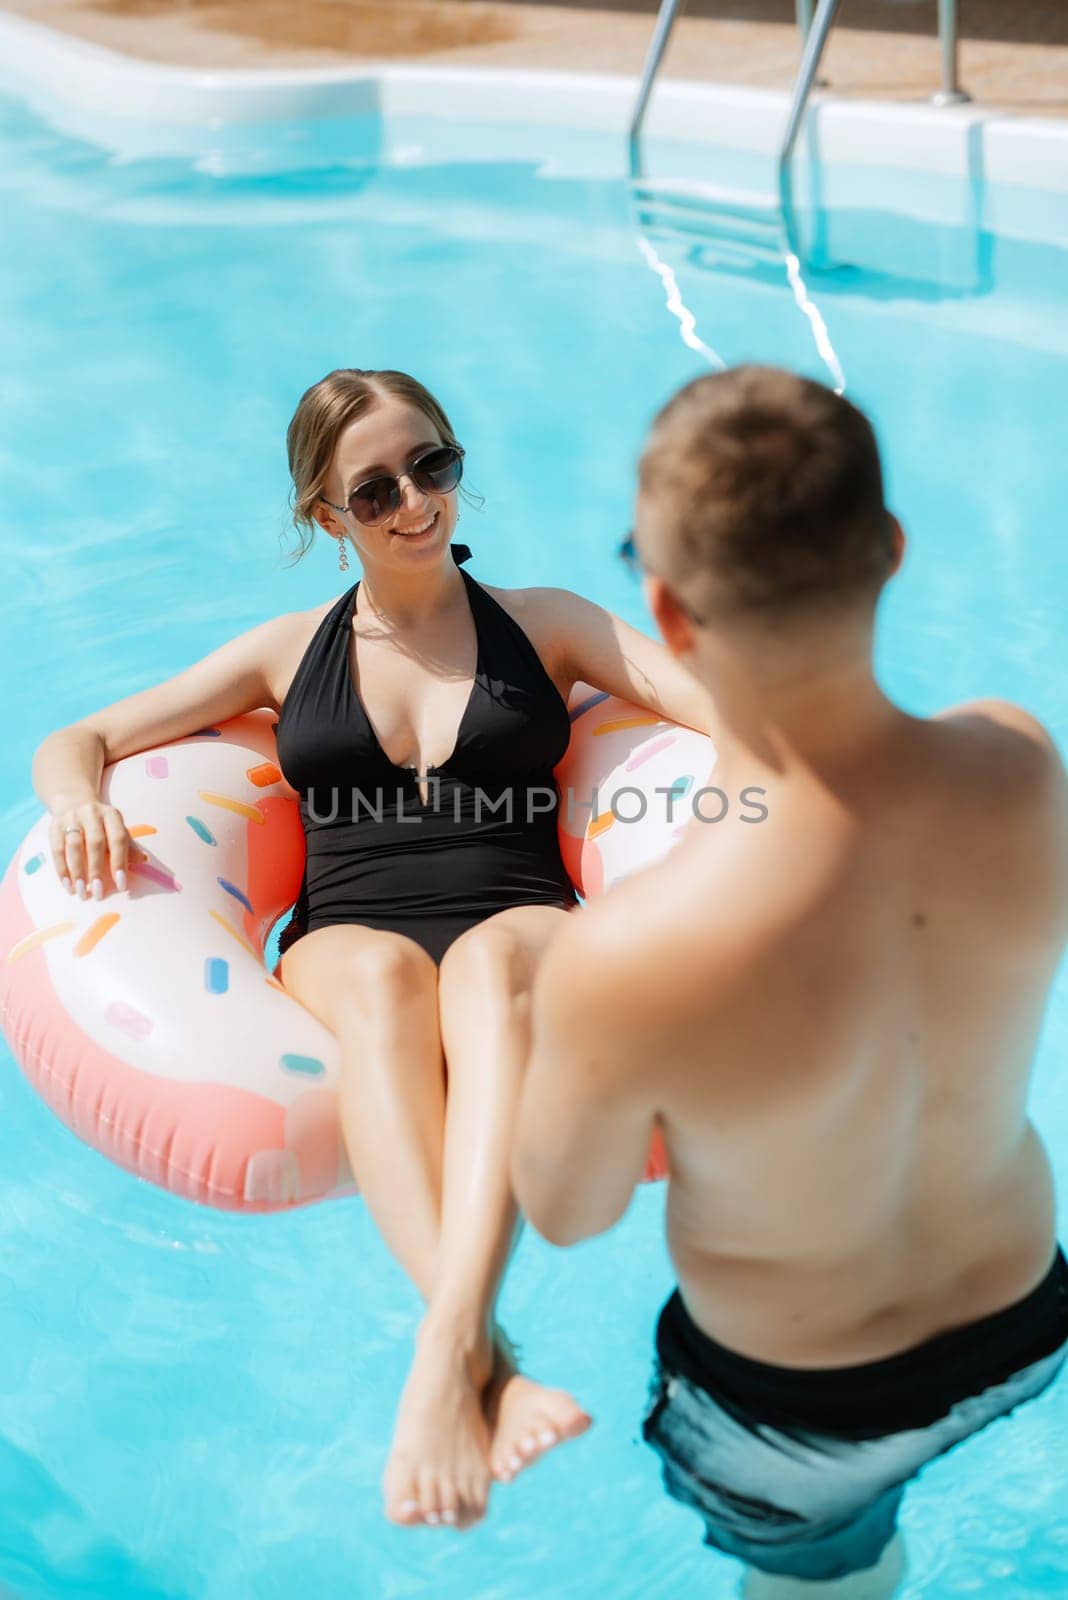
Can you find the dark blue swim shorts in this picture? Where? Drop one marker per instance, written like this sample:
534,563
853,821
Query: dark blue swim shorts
801,1472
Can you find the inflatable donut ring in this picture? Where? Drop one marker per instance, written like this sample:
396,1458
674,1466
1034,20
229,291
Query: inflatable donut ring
148,1021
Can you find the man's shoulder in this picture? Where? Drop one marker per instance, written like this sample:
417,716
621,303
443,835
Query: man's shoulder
1005,742
1008,794
993,714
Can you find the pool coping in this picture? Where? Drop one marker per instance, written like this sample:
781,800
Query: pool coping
104,96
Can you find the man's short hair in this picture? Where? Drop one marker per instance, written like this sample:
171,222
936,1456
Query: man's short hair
762,493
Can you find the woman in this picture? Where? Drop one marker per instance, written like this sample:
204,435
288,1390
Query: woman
420,718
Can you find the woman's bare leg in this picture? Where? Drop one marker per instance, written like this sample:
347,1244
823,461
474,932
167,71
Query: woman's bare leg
378,993
484,999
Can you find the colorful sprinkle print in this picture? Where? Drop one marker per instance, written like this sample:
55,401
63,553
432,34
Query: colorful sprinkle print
32,940
682,786
253,813
307,1066
141,830
158,767
200,830
601,824
231,888
129,1019
95,932
264,774
650,751
34,862
221,920
588,704
216,975
620,724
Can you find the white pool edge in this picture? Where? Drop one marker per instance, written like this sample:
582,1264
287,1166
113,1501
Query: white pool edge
97,93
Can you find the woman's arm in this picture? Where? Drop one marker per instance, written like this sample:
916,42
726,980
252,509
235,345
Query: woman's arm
68,764
589,645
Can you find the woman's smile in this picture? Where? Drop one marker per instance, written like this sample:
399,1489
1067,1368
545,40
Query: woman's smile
420,530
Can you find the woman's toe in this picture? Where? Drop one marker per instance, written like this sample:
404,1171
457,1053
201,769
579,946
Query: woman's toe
401,1495
450,1510
405,1510
547,1435
473,1502
429,1499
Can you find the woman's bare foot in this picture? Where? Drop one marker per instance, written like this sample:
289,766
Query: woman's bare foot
438,1468
526,1419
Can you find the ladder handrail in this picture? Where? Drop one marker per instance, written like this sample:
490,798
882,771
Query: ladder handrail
665,21
811,56
951,93
815,35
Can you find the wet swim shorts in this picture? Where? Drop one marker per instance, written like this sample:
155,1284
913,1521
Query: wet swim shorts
800,1471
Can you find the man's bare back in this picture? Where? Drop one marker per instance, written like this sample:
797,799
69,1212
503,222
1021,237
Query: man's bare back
862,976
830,1013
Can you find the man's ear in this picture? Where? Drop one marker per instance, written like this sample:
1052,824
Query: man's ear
898,543
676,628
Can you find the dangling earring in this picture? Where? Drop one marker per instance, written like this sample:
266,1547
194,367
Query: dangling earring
342,554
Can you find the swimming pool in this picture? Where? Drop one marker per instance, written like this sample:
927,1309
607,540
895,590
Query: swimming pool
198,1405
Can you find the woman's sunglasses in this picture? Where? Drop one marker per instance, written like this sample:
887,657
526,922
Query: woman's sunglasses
436,471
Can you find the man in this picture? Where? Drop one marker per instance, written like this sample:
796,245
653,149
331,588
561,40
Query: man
830,1014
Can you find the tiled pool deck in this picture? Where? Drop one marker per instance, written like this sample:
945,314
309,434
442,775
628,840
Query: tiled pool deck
1013,55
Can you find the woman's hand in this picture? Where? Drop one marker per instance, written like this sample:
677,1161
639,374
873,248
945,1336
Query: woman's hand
84,839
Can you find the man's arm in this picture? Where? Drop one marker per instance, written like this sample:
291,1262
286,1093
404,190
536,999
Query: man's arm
585,1117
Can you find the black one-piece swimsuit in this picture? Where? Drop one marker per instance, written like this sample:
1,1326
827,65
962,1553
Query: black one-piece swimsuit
484,840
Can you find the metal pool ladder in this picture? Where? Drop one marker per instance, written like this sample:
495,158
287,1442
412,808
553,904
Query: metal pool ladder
749,234
815,31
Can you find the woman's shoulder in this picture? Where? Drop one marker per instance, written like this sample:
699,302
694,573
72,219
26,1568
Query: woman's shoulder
544,613
530,608
538,603
290,635
551,619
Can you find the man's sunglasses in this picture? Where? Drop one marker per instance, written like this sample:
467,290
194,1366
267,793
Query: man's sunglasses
436,471
628,554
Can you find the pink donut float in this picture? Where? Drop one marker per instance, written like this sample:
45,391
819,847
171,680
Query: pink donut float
148,1021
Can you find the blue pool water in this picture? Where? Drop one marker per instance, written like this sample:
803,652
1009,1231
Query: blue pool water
196,1406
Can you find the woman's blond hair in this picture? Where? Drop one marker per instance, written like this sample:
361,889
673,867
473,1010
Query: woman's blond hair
323,412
